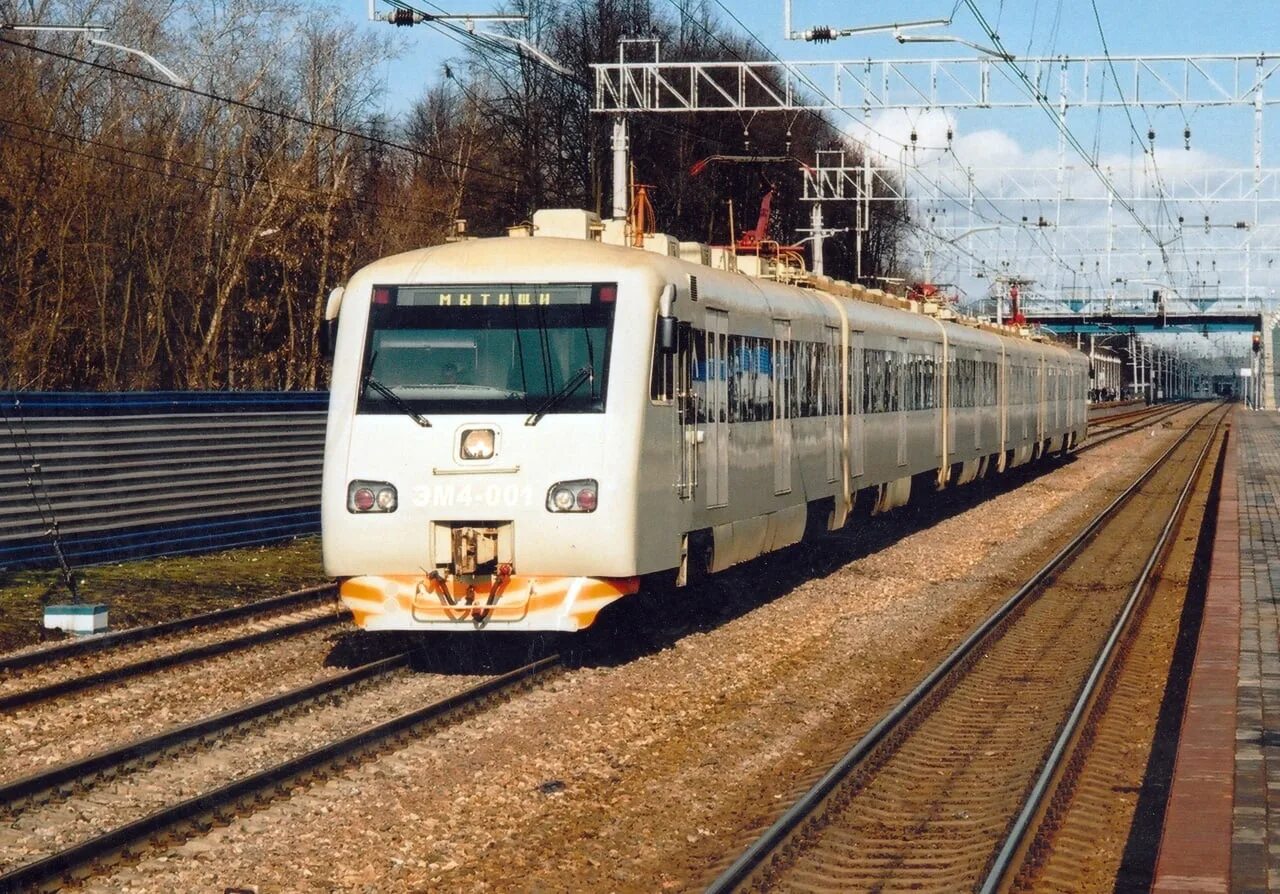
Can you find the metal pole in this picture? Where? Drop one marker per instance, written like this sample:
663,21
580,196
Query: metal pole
620,153
1133,359
815,223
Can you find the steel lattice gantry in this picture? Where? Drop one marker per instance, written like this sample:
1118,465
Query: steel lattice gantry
1055,85
920,84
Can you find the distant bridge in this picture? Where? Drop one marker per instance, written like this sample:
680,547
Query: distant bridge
1063,323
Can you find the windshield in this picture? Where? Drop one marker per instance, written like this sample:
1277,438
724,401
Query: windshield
492,348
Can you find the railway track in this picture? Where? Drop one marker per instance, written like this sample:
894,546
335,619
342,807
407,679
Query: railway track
944,791
1099,827
62,802
29,678
1144,419
1129,415
101,642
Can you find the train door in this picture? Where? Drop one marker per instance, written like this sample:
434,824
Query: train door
831,400
1024,399
1057,398
857,373
1041,397
979,399
898,367
953,401
716,456
1002,401
782,386
933,396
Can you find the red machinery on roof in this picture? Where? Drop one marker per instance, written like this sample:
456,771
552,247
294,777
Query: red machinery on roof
756,240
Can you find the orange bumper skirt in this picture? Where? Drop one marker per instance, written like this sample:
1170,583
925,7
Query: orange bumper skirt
413,602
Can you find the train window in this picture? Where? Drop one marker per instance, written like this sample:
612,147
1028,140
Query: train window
750,379
828,378
855,395
489,348
662,376
735,411
699,376
864,399
882,378
781,381
899,379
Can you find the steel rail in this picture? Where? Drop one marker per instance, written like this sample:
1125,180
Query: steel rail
1147,411
101,641
1005,857
1131,427
763,848
14,794
222,801
161,662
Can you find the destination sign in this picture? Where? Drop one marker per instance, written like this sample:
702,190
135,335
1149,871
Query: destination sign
548,295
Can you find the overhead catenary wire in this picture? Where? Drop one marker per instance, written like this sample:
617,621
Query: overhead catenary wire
915,170
280,114
1067,133
236,182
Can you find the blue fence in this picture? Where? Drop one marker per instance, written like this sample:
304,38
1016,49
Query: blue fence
156,473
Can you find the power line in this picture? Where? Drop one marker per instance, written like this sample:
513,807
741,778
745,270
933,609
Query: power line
167,159
264,110
1067,134
915,169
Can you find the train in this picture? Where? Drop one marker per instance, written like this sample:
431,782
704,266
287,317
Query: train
524,429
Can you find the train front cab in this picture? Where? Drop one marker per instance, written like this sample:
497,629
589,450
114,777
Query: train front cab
494,486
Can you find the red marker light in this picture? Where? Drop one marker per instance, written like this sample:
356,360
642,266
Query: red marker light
381,296
608,294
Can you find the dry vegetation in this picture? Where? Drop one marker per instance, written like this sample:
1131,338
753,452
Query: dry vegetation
148,591
153,237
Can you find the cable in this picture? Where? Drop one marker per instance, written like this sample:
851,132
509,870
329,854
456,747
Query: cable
913,168
194,180
264,110
1067,133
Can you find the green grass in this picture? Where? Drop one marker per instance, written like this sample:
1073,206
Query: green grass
150,590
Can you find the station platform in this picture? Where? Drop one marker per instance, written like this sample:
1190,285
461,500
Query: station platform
1222,820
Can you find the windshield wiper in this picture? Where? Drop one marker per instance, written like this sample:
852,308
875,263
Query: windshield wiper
567,389
395,399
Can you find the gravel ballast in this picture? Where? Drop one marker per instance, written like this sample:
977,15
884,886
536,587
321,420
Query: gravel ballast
643,768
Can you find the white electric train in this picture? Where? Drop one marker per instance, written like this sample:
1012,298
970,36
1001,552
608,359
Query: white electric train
522,429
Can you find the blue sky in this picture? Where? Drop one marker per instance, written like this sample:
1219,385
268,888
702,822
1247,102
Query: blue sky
1027,27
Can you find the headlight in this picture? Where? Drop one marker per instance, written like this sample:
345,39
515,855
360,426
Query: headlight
371,496
573,496
477,443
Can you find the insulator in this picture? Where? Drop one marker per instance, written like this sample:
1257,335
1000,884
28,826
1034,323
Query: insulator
820,34
913,136
1186,136
949,135
402,17
1151,135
